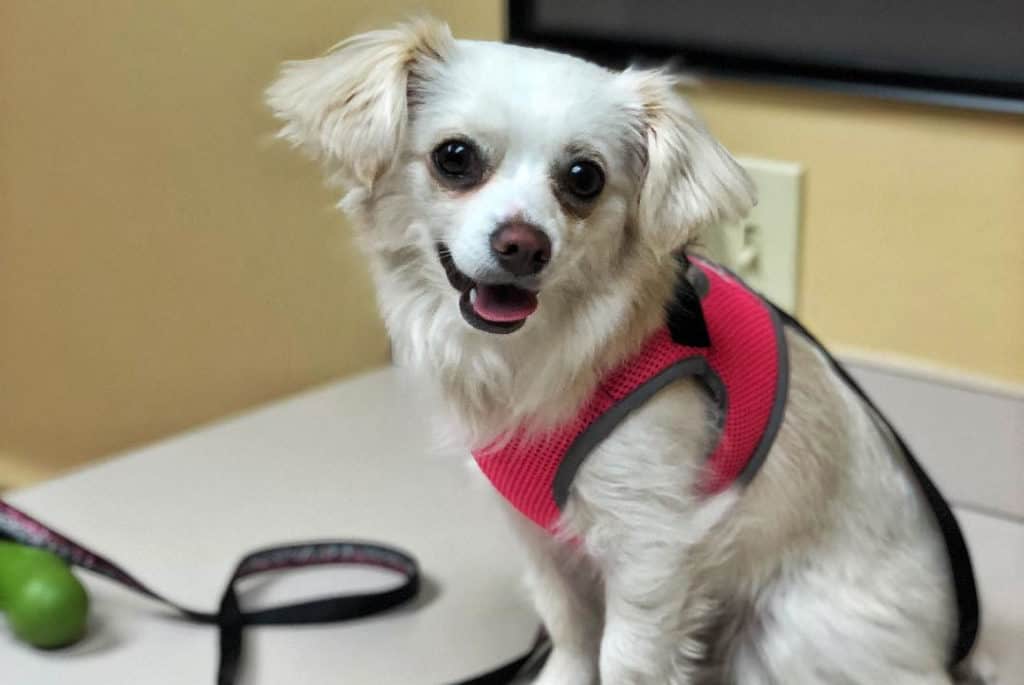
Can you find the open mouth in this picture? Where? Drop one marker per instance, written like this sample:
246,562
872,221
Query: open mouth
493,308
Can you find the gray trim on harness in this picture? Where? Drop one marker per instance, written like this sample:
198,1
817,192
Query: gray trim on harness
602,427
697,366
698,279
778,404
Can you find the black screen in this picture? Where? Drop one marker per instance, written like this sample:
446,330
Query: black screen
965,47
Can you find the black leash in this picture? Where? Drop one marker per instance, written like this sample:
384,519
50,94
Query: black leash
232,620
968,609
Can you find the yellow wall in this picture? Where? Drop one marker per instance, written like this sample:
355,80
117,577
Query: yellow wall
913,240
161,262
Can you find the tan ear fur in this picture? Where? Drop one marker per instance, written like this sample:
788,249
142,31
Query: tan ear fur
350,106
691,181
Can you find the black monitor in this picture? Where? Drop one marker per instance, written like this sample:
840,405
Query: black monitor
967,53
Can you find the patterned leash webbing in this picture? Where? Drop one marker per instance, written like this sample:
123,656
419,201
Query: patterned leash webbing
231,620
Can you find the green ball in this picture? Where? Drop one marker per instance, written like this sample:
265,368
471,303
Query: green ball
46,605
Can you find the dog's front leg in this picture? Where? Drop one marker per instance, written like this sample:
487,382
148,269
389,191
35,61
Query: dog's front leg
566,593
649,619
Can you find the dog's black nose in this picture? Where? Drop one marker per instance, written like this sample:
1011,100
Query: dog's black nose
522,249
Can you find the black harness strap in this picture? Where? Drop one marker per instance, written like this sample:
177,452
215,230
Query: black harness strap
687,324
968,610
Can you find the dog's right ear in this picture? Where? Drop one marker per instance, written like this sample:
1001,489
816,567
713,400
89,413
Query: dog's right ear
350,107
690,180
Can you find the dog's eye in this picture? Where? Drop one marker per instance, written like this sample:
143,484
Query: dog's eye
584,179
458,163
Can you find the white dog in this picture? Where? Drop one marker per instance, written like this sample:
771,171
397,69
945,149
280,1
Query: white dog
522,212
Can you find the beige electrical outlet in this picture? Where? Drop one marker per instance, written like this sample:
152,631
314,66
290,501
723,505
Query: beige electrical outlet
764,248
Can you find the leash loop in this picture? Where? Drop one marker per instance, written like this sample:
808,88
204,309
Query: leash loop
231,619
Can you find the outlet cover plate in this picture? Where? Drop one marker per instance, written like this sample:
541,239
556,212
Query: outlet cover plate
764,247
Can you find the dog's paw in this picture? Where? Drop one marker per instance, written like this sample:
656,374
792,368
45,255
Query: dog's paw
564,668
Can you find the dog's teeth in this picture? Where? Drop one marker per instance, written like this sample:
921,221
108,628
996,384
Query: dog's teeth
472,296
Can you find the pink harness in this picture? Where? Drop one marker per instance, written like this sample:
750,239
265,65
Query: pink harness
744,369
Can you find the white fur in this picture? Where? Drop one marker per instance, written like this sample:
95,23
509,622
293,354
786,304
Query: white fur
825,569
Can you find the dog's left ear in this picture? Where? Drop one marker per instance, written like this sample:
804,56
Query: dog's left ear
350,107
690,180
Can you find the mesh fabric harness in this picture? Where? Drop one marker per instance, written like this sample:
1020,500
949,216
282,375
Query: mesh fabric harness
741,358
744,370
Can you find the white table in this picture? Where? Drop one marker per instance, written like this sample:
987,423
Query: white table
350,460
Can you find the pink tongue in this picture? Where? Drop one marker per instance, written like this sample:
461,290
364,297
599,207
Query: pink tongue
503,303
